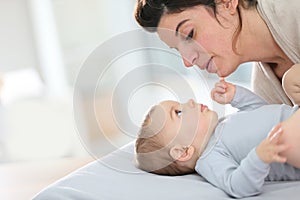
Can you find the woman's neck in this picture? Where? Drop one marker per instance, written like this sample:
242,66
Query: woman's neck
256,42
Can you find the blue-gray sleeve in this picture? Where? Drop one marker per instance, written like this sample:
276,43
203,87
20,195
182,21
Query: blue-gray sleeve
237,180
244,99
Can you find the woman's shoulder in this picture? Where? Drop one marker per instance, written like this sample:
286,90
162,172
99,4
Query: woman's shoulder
285,32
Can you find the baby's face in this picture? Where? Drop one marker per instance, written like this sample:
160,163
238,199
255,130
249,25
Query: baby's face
187,124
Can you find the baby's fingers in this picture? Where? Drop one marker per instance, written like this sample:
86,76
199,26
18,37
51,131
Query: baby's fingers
217,92
218,97
221,85
280,159
275,133
282,147
220,90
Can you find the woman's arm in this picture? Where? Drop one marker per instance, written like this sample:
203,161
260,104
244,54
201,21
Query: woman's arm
291,83
291,136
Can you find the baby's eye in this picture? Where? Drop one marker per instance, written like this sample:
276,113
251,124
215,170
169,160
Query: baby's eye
178,112
190,35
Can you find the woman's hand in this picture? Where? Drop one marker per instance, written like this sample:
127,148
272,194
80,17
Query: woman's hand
269,149
223,92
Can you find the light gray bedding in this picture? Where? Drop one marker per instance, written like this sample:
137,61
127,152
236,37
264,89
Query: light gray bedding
115,177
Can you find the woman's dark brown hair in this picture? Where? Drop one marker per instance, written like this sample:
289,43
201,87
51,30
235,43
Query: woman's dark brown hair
149,12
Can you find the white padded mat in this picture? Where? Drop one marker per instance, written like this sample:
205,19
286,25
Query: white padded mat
115,177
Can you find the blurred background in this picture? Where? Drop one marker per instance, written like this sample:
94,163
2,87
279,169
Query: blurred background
43,46
57,110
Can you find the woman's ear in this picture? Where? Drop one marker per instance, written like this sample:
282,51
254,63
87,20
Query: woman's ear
182,153
230,5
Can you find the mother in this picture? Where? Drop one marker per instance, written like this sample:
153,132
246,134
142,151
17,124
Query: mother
233,32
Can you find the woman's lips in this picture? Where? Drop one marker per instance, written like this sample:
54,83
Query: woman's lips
209,65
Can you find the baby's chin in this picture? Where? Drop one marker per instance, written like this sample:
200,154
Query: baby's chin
214,121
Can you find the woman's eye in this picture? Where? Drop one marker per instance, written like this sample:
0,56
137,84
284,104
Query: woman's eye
178,112
190,35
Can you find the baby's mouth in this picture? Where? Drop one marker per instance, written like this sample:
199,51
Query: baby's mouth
203,107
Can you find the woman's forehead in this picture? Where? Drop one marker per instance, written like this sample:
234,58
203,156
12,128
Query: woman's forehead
171,20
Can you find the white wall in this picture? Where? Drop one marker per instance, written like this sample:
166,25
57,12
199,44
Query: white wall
83,25
41,125
16,38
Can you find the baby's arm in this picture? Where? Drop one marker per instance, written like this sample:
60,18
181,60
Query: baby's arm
291,84
223,92
238,97
270,149
246,178
236,179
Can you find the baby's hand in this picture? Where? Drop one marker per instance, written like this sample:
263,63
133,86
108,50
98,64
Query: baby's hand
223,92
269,149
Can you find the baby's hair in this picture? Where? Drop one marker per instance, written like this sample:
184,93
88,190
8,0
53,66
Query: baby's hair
151,154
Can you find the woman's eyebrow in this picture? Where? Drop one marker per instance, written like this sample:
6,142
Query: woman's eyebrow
178,26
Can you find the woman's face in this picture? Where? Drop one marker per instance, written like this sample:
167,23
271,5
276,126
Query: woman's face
201,39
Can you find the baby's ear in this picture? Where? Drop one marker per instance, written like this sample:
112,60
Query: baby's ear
182,153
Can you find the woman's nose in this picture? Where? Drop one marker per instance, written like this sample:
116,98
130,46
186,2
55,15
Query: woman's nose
187,63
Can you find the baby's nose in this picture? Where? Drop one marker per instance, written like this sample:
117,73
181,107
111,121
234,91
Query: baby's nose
191,103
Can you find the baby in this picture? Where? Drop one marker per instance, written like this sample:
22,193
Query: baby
236,153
